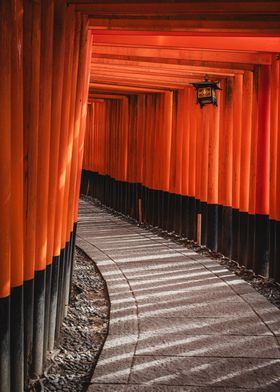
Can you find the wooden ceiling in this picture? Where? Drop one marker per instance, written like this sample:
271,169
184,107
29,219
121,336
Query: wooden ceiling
151,46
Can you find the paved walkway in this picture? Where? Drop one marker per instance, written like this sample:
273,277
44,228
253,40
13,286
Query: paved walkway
179,321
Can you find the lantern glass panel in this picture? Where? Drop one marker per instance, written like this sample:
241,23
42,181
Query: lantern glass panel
204,92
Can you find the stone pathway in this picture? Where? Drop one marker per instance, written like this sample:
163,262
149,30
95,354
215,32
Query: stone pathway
179,321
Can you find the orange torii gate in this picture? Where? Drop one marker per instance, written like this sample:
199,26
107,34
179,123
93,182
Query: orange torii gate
44,89
163,159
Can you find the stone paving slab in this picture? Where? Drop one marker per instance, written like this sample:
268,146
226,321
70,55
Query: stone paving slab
249,326
162,388
179,321
225,372
202,309
199,296
208,346
187,287
120,327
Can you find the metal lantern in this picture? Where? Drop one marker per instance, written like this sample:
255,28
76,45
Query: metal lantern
206,92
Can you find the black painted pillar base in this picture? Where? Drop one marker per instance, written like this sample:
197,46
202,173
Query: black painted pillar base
5,344
117,196
122,197
145,205
243,251
60,306
108,192
235,233
124,206
153,207
160,209
165,211
39,322
203,211
192,225
261,245
171,211
212,226
47,310
271,246
220,228
130,200
112,196
72,252
138,203
53,301
150,207
185,216
178,215
28,325
227,231
251,240
156,211
67,277
17,337
277,252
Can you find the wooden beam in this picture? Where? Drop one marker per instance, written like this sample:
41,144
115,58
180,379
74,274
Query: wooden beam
269,25
141,80
133,75
151,69
122,88
200,55
177,9
172,63
105,96
262,44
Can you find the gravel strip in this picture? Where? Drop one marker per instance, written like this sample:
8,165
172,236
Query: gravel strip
70,366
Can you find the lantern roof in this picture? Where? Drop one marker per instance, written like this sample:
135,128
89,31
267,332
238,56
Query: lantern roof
212,84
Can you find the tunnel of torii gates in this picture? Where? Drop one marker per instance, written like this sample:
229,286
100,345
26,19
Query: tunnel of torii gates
146,148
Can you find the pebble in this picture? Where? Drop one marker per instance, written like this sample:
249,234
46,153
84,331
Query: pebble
83,331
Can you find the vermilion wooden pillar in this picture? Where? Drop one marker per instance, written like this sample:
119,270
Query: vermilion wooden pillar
198,164
274,265
31,85
245,158
17,216
86,52
183,173
262,173
213,179
78,106
181,128
204,152
68,231
253,170
43,278
60,247
5,200
70,177
57,90
276,273
167,120
193,159
140,154
237,102
157,157
225,174
77,122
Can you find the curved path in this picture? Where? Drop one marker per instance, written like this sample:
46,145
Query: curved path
179,321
